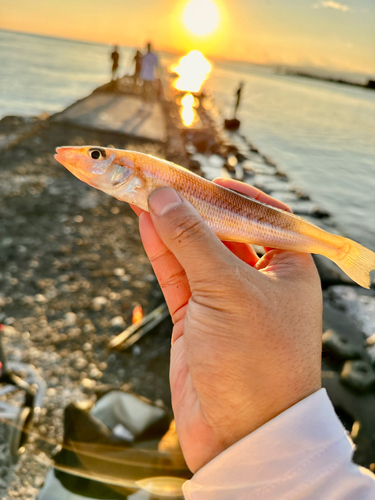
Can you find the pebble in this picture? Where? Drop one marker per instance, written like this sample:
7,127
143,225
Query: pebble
117,321
136,351
95,373
88,383
70,318
40,298
38,481
73,333
98,303
80,363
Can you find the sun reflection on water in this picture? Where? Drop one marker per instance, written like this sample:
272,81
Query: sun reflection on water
188,113
192,70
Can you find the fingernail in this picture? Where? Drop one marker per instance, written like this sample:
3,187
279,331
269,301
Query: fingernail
163,200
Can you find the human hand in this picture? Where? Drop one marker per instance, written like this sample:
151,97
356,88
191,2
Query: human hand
246,342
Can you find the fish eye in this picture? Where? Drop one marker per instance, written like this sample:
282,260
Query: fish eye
96,153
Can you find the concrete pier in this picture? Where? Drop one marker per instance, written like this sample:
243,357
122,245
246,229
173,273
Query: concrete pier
124,114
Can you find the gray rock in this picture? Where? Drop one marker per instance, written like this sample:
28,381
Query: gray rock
358,375
338,346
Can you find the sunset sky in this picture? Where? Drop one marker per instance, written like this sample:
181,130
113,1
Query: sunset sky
333,34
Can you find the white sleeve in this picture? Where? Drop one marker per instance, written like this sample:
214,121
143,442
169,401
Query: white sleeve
302,454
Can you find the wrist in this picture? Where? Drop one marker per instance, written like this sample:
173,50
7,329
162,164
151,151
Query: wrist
258,413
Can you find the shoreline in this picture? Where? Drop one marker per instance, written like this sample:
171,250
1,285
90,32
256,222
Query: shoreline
74,268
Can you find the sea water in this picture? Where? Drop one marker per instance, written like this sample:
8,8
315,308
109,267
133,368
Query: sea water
321,134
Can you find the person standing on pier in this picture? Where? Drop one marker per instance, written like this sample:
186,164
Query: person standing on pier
149,66
238,99
115,56
138,66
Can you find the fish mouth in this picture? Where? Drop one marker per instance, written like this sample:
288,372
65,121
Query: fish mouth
56,156
65,155
60,156
74,159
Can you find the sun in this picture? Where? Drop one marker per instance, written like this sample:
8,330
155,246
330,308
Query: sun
201,17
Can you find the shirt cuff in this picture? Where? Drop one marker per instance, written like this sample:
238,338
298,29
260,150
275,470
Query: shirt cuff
291,454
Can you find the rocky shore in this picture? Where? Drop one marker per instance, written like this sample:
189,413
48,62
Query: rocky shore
72,269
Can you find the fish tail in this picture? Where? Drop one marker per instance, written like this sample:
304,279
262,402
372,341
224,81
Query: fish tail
356,261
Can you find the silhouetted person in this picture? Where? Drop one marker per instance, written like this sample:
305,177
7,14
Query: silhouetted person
149,65
238,99
138,66
115,56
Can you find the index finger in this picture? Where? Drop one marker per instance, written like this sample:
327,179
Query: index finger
135,209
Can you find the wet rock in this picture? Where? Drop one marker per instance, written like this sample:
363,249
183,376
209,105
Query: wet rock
269,161
304,208
239,172
231,163
203,141
358,303
232,124
302,196
358,375
257,167
282,176
216,161
339,347
320,213
268,184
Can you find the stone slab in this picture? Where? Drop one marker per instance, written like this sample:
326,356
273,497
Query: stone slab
125,114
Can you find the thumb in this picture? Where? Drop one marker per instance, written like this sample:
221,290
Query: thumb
187,236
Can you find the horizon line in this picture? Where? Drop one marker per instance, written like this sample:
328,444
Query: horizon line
241,61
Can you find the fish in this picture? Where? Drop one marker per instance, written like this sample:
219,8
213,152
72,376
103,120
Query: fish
131,177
